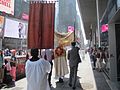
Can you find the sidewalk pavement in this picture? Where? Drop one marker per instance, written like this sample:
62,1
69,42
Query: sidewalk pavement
87,79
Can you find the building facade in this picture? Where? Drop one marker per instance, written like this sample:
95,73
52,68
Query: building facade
11,16
111,16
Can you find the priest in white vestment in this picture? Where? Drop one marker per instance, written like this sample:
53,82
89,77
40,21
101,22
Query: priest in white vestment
60,63
36,72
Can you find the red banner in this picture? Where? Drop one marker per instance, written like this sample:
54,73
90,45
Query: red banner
41,25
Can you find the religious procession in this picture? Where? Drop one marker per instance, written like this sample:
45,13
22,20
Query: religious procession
59,45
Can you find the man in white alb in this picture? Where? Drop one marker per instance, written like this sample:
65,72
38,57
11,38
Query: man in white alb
37,70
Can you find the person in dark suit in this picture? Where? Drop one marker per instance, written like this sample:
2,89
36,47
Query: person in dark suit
74,60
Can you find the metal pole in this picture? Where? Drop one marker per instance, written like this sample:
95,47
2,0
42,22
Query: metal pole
95,37
98,21
21,43
21,38
1,43
91,36
74,31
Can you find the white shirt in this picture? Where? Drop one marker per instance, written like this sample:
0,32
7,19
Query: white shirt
48,53
36,74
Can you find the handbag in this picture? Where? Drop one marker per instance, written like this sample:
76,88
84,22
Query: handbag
8,66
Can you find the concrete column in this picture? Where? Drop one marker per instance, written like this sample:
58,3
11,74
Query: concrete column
98,21
100,8
94,38
112,49
0,43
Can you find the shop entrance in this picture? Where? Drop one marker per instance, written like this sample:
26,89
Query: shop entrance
117,34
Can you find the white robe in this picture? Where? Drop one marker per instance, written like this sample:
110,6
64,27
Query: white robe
61,67
36,74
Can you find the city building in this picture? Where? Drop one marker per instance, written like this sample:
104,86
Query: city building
14,23
101,20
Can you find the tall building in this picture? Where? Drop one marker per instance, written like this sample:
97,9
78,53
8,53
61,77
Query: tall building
66,14
11,18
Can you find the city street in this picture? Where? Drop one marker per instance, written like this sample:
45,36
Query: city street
87,79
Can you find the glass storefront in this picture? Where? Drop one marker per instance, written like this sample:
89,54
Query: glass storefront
110,11
117,28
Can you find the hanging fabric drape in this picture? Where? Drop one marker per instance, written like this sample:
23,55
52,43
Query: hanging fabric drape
64,39
43,1
41,25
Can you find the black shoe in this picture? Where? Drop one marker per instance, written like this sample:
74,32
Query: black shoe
61,80
73,88
70,85
100,70
2,85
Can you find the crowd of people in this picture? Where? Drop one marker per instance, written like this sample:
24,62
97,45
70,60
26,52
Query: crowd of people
7,70
100,58
8,52
39,65
8,64
39,68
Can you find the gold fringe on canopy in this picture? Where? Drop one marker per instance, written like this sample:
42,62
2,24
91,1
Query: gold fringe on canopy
64,38
42,1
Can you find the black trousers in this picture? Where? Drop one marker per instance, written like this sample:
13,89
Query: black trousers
73,75
94,62
50,74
